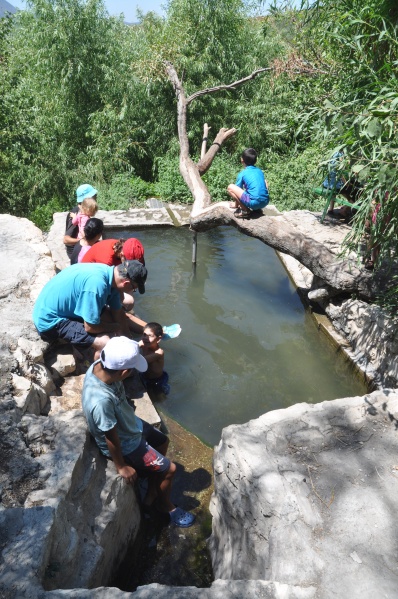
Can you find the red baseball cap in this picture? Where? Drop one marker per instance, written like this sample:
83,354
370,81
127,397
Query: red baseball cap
133,250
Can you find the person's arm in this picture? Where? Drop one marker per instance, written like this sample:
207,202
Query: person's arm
71,231
102,327
134,323
68,240
113,442
155,356
239,180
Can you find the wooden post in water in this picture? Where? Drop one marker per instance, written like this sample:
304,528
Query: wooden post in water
194,246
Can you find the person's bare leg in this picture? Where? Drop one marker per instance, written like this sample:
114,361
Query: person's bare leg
236,193
99,343
163,486
152,491
127,300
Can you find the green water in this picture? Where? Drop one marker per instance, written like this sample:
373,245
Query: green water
247,344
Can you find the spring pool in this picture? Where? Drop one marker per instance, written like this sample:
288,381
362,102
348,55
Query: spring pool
247,344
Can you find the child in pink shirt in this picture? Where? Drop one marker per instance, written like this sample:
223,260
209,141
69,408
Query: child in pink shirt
87,209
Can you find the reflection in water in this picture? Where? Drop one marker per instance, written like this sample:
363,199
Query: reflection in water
247,345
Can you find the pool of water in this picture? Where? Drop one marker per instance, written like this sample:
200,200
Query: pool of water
247,344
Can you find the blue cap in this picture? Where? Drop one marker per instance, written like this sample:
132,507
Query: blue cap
85,191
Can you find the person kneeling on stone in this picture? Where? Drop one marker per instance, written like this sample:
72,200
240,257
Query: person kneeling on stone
136,447
81,304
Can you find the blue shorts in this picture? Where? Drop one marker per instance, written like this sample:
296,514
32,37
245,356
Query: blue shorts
70,330
159,385
252,204
146,459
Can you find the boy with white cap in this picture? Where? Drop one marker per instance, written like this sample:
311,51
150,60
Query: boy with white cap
136,447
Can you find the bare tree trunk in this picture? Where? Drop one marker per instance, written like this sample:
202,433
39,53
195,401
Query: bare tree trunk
190,172
188,169
344,275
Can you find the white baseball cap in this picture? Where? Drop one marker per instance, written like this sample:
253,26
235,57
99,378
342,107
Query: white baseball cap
122,353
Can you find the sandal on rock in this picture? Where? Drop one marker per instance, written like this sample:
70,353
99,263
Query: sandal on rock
242,214
238,211
181,518
369,265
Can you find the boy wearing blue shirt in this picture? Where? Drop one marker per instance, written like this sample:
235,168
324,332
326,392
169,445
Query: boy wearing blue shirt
250,190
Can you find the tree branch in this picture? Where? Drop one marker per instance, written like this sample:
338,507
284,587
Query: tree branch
211,90
205,161
283,234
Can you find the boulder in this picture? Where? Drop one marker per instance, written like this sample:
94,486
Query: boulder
307,496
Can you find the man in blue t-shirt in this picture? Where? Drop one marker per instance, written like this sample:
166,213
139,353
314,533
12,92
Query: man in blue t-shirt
250,191
82,304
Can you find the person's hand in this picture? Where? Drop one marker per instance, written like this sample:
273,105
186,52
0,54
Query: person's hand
140,343
129,474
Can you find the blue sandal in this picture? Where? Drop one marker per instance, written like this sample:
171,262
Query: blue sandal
181,518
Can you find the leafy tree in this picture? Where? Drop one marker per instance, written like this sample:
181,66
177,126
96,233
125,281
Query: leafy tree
359,109
66,93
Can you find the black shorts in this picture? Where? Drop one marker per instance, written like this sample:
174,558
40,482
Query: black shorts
72,331
146,459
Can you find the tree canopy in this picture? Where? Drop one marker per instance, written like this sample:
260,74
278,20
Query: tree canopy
84,97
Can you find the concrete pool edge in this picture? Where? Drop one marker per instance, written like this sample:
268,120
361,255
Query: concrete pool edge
301,277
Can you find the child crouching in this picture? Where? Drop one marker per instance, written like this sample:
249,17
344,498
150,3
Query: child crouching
250,192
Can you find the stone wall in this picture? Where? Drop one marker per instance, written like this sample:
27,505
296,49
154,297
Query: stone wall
65,519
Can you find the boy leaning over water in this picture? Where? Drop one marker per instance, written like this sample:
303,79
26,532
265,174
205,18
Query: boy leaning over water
250,191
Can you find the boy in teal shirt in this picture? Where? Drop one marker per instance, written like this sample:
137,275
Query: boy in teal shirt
250,190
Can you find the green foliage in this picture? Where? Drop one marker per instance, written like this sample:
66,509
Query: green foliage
358,112
42,215
123,192
170,186
290,181
388,301
223,171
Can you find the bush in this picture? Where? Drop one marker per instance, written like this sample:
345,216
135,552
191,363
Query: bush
42,215
222,172
170,186
124,192
290,181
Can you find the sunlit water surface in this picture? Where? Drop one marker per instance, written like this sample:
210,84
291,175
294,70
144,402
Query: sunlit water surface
247,344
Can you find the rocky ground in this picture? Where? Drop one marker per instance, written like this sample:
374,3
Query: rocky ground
304,499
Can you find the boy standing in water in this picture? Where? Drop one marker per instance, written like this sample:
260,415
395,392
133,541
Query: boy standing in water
250,191
155,378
